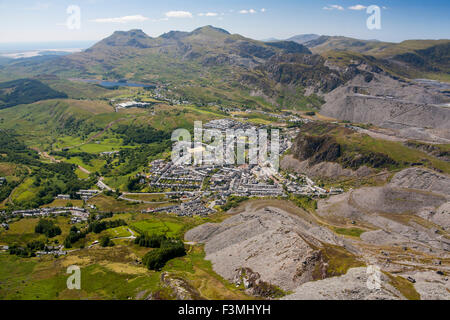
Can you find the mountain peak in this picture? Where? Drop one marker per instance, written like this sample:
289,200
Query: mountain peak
174,35
210,29
133,38
134,33
303,38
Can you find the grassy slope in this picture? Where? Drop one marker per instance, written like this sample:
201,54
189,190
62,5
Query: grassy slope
342,53
353,142
112,273
374,48
24,91
39,123
22,231
394,150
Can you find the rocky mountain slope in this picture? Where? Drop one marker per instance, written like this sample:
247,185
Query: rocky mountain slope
293,245
404,231
327,43
351,286
210,64
410,55
204,47
411,211
417,111
325,150
304,38
207,57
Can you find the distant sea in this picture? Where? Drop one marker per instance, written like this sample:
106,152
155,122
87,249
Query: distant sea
28,50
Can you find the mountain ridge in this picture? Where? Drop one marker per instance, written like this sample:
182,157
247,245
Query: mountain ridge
285,74
209,41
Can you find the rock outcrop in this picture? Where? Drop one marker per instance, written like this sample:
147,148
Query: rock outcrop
351,286
412,210
181,290
323,169
410,108
280,247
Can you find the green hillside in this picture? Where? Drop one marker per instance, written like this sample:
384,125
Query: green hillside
24,91
410,59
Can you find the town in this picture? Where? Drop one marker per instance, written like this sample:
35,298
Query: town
202,189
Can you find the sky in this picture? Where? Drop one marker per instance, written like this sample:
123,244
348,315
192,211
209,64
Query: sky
57,20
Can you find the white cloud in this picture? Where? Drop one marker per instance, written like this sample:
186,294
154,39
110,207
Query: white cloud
125,19
208,14
357,7
178,14
247,11
263,10
334,7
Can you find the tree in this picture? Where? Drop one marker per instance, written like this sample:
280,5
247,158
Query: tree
157,258
105,241
48,228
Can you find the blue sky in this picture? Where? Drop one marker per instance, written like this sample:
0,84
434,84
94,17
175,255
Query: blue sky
45,20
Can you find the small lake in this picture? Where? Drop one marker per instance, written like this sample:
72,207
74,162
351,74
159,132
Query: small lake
111,84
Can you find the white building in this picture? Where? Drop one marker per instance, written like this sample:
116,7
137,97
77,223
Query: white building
131,104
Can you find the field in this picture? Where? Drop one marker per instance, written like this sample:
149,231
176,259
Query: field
119,232
167,224
118,182
108,273
81,174
353,232
103,145
22,231
93,166
109,204
63,203
24,192
43,124
158,227
7,169
169,118
148,197
105,274
80,90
